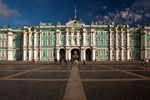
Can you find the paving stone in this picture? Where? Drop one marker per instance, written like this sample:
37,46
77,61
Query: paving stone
105,75
128,90
92,68
6,73
45,75
32,90
57,68
144,73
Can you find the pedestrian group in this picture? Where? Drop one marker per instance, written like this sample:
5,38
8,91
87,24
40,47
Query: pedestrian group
145,63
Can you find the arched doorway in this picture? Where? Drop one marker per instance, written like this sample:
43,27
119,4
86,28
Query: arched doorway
75,54
62,53
88,54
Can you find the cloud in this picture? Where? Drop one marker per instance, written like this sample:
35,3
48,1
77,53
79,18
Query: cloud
142,3
6,11
104,7
135,13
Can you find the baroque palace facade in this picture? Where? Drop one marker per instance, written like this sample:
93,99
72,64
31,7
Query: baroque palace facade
75,39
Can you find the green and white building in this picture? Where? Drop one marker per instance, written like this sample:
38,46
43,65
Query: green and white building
100,42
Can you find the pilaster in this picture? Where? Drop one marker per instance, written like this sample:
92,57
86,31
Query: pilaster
117,52
57,37
128,54
78,38
67,38
24,46
35,45
122,54
93,37
83,56
10,48
93,54
72,39
84,37
57,54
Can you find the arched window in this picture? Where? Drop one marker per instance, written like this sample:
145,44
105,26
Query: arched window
44,53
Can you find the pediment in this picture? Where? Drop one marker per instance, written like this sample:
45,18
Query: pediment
75,23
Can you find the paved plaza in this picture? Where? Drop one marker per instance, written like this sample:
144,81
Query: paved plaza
93,81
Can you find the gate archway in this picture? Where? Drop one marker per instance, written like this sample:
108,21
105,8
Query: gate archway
88,54
75,54
62,53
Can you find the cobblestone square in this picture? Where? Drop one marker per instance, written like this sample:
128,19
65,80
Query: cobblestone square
93,81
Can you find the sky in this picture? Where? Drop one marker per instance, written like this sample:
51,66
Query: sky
31,12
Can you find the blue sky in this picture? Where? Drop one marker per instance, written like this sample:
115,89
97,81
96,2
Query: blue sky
16,12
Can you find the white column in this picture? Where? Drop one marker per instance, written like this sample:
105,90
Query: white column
110,42
40,46
92,37
24,46
72,39
122,54
67,38
128,45
122,40
30,38
116,39
117,52
128,54
78,38
110,46
67,53
30,52
145,45
10,48
68,56
35,44
84,37
94,40
58,54
24,54
110,54
82,54
93,54
59,42
57,37
24,39
128,38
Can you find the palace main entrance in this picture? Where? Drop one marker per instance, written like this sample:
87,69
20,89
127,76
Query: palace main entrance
88,54
62,53
75,54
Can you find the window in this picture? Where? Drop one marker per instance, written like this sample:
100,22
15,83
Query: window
48,53
124,42
43,34
44,42
101,41
48,33
101,33
75,33
48,41
107,42
44,53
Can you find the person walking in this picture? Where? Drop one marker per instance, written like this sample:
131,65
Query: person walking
84,62
33,61
60,61
146,63
76,62
142,63
55,61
